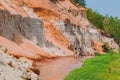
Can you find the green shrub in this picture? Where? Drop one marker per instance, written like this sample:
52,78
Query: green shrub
95,18
107,23
106,47
82,2
97,54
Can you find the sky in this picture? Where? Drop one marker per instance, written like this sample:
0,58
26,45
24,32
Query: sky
105,7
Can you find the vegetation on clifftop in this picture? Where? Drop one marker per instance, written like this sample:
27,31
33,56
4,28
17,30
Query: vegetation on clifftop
107,23
102,67
82,2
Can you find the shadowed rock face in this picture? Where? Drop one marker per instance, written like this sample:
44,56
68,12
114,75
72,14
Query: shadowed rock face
30,28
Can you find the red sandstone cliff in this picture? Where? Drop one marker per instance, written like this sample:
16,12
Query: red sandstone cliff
62,27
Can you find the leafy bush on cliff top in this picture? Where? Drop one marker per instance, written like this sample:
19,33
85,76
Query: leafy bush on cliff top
107,23
82,2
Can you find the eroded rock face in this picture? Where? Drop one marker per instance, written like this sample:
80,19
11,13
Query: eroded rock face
30,28
15,69
65,23
13,27
85,37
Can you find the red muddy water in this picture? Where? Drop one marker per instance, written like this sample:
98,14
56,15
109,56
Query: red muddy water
59,68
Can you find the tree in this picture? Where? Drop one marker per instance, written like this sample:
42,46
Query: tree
107,23
82,2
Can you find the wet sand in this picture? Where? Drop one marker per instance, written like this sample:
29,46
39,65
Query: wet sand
59,68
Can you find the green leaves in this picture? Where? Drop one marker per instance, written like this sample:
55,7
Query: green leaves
82,2
95,18
107,23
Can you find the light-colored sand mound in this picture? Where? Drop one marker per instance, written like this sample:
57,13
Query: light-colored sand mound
15,69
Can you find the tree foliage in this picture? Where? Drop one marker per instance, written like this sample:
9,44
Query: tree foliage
82,2
95,18
107,23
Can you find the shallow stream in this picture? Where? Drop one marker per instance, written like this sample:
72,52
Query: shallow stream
59,68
